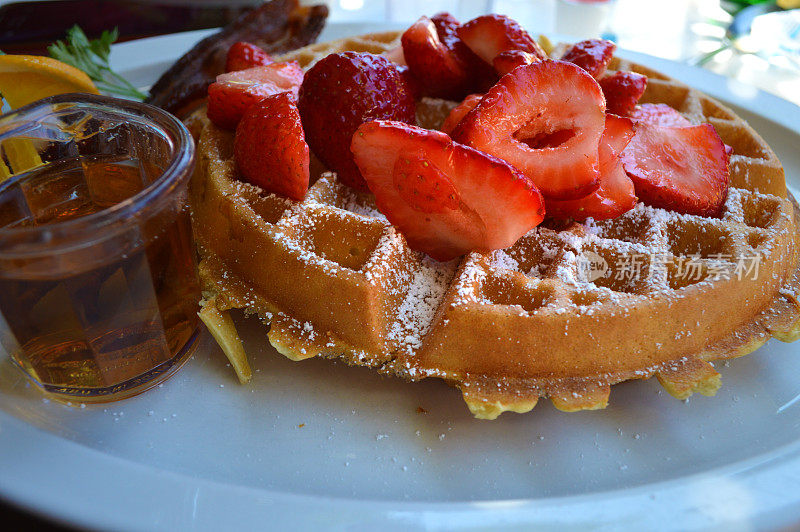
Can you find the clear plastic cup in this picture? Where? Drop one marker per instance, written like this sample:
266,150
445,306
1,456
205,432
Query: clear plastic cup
98,286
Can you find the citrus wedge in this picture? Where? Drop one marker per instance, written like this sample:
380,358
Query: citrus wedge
27,78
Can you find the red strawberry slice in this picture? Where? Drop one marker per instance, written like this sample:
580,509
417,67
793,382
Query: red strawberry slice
592,55
442,64
664,115
622,91
413,84
341,92
440,73
480,76
243,55
447,199
447,27
395,55
233,93
490,35
270,149
546,119
659,114
459,112
684,169
505,62
615,195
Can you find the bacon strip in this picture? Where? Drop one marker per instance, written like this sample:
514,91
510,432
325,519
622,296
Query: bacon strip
277,26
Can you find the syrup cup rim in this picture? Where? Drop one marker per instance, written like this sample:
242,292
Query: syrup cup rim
87,230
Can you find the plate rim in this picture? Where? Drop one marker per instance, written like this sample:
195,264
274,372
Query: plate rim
155,497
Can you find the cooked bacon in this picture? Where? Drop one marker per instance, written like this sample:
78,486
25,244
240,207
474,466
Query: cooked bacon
277,26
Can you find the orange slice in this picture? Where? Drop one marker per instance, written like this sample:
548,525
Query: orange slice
27,78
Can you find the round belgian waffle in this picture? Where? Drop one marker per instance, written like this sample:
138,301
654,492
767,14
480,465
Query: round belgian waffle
565,313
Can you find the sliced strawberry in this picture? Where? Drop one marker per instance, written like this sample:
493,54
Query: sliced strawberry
341,92
443,65
663,115
505,62
395,55
438,70
447,199
592,55
270,149
480,75
233,93
615,195
622,91
490,35
618,132
243,55
413,83
684,169
659,114
459,112
545,119
446,27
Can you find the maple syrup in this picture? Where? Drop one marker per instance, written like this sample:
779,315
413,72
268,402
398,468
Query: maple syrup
102,318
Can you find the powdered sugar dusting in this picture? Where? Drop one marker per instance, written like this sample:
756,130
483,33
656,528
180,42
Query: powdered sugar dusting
378,268
425,293
501,259
409,291
471,277
353,203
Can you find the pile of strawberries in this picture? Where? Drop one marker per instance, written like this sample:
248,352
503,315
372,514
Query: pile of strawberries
531,136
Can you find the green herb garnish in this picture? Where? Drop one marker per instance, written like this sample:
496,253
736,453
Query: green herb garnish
91,56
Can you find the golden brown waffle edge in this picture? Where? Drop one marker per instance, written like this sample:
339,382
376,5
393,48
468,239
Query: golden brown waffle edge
334,279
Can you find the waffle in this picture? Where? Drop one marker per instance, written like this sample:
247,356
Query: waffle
565,313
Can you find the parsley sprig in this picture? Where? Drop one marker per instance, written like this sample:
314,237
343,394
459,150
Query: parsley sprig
91,56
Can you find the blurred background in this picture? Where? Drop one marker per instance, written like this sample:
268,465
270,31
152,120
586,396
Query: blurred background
756,42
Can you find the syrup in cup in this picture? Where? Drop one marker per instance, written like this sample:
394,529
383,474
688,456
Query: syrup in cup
98,286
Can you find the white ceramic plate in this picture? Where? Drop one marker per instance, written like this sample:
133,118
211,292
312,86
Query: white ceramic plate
321,444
